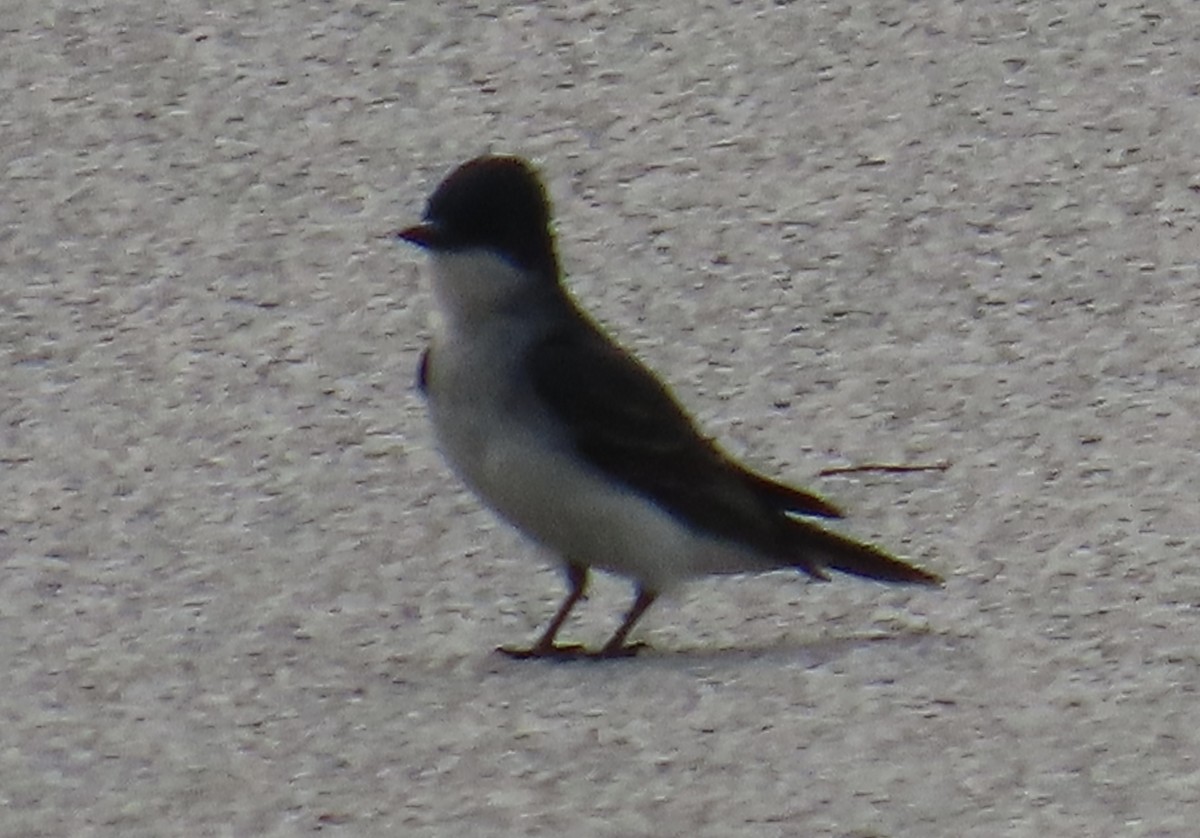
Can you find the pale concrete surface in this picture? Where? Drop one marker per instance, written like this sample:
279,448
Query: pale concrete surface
240,595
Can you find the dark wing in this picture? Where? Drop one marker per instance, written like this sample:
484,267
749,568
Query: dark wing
795,501
627,425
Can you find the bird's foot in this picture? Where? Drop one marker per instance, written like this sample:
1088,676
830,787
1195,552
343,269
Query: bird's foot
572,651
622,650
554,651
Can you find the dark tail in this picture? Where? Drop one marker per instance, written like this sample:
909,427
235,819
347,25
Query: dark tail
836,552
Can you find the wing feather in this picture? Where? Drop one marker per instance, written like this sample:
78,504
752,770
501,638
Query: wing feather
625,423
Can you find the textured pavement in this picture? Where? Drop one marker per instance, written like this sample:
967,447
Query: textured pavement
240,594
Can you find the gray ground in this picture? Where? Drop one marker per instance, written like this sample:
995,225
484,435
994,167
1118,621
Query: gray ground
241,595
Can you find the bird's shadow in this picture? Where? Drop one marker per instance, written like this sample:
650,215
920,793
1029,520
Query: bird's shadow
783,651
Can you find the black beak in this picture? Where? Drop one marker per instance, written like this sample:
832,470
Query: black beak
422,235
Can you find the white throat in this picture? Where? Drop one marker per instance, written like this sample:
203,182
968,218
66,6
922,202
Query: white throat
472,286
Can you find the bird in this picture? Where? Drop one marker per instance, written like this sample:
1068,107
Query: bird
573,440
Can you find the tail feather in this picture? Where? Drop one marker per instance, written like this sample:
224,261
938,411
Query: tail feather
845,555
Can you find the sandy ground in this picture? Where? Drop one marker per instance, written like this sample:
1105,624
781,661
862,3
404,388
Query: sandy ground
241,595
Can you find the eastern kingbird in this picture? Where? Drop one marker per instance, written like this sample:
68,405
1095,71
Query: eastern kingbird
570,438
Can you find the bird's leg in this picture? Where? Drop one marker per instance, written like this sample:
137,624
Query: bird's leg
616,646
577,577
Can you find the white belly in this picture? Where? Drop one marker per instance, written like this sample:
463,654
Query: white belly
506,449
